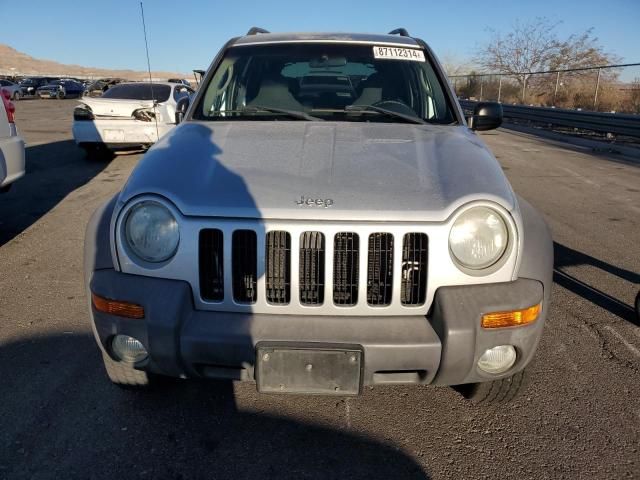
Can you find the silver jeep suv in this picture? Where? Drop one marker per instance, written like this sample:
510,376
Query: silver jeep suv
323,218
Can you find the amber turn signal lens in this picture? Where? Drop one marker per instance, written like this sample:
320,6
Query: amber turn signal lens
514,318
116,307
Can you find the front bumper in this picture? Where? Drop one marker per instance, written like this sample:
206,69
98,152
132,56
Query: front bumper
442,348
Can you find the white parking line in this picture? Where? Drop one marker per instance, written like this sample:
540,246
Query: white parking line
631,348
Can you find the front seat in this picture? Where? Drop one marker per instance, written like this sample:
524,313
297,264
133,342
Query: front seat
378,88
274,92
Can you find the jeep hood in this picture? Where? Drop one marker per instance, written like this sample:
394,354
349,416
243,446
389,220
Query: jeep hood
369,171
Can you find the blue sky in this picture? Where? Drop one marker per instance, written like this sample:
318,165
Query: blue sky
186,34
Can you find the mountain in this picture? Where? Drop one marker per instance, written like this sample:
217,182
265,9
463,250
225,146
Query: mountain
13,62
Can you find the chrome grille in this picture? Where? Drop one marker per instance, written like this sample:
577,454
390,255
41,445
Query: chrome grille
244,262
278,267
289,267
380,269
414,269
311,277
346,250
210,259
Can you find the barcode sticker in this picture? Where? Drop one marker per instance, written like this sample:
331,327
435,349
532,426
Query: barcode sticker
396,53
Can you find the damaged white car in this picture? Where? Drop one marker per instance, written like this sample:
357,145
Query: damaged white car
128,115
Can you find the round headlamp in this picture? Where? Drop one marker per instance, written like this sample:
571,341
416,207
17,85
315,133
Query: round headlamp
151,231
478,238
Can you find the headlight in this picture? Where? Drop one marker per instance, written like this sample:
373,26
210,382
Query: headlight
478,238
152,232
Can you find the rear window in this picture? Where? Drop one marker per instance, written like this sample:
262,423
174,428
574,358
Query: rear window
139,91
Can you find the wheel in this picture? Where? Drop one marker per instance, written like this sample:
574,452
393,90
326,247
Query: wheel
124,375
60,95
495,392
16,96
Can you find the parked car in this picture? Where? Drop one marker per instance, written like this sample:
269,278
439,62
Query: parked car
322,219
125,116
12,157
30,85
97,88
13,89
61,89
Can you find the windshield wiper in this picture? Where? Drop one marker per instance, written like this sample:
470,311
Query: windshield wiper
384,111
291,113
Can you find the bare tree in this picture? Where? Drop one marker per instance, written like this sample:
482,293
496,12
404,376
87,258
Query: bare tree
535,46
634,96
453,65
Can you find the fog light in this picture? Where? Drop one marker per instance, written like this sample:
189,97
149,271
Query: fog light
128,349
497,359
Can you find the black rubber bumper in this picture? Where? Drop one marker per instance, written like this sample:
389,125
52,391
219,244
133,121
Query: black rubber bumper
442,348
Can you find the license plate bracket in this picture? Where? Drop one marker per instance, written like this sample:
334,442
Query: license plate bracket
312,369
113,135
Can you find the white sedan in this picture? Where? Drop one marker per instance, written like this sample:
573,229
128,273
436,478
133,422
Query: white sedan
12,159
128,115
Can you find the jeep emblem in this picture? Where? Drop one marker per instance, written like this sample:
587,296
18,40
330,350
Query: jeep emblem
314,202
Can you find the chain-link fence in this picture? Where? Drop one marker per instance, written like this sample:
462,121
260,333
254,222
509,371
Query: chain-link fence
610,88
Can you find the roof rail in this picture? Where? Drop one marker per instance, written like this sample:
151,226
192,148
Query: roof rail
257,30
399,31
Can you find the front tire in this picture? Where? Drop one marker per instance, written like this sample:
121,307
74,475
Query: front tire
60,95
495,392
16,96
124,375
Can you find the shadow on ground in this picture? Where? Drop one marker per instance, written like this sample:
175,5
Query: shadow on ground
53,171
63,419
565,256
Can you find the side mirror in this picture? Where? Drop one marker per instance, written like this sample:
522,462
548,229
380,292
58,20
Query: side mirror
181,108
486,116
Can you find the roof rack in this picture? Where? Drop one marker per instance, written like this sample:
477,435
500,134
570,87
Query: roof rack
399,31
257,30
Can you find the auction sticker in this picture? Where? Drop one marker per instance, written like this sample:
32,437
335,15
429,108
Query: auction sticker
398,53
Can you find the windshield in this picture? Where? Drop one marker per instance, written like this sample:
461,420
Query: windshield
328,82
139,91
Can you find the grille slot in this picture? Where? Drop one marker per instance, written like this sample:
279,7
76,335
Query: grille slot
278,267
312,268
414,269
380,269
210,259
243,265
346,250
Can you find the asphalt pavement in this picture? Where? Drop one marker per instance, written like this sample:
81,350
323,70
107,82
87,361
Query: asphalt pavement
61,418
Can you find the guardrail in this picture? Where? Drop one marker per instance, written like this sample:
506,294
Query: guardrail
613,123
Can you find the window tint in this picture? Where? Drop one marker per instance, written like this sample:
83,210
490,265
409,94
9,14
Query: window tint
139,91
326,81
